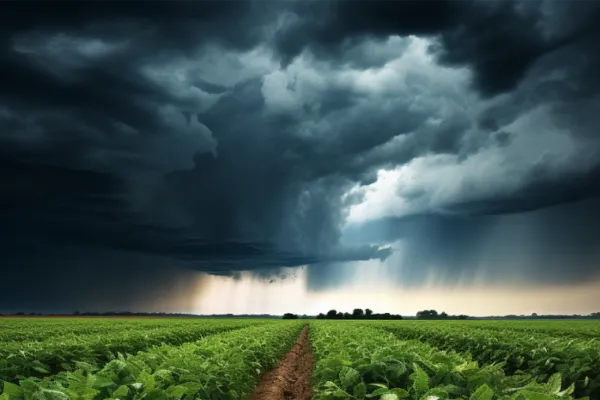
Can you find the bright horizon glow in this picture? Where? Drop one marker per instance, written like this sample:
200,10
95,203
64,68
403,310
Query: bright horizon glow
252,295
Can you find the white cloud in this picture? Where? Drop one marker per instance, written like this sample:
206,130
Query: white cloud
278,95
409,72
433,183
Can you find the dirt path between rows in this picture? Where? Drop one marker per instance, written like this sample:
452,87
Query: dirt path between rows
292,379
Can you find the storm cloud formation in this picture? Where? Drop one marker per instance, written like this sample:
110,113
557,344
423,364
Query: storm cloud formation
221,136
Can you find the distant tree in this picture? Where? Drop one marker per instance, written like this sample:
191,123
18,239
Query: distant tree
595,315
427,314
357,313
443,315
289,316
534,315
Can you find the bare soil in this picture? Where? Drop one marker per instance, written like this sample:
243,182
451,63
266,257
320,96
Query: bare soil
291,380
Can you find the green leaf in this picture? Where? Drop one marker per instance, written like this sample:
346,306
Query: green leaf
349,377
54,395
176,391
379,385
482,393
389,396
420,380
554,383
146,379
192,387
400,369
121,391
360,390
156,394
13,390
568,390
30,388
380,392
529,395
400,393
40,369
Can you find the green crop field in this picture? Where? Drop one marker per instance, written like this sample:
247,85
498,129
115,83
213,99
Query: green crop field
192,358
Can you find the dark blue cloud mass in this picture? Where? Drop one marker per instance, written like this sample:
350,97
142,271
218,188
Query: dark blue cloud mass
140,141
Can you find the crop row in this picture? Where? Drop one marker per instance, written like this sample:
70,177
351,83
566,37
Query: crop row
577,361
31,329
556,328
225,366
357,362
42,358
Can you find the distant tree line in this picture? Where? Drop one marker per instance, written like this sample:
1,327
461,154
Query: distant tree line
433,314
594,315
357,313
368,314
295,316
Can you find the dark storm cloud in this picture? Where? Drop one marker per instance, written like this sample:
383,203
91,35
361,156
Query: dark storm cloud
499,40
175,25
545,191
106,155
174,132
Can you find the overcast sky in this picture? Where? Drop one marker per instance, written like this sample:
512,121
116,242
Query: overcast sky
152,153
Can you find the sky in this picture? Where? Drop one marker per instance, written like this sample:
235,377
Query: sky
277,156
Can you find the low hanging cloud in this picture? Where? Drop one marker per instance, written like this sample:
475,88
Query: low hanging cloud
163,133
517,170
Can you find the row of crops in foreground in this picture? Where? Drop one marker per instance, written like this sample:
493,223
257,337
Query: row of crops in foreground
34,358
540,355
223,359
358,362
222,366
